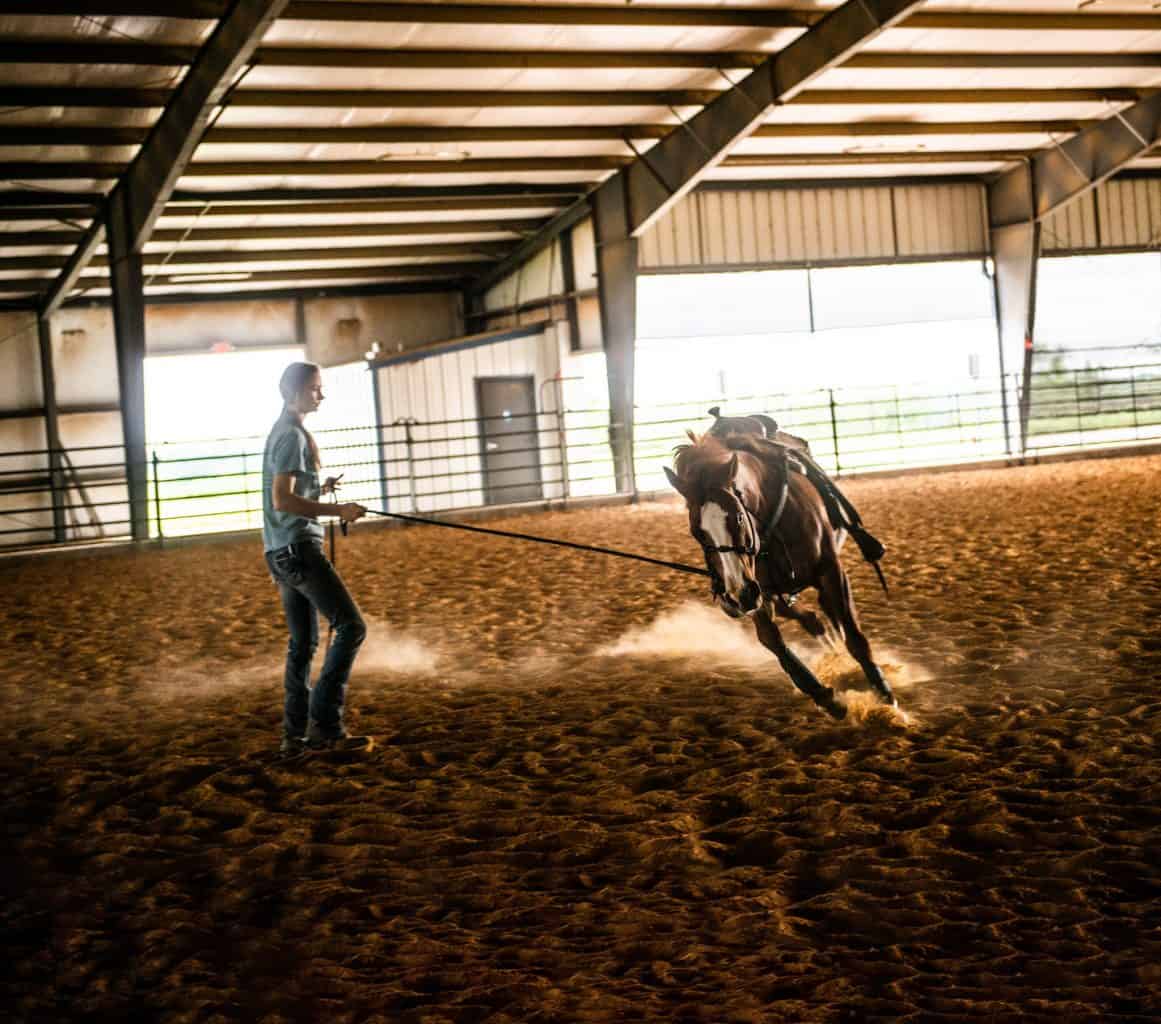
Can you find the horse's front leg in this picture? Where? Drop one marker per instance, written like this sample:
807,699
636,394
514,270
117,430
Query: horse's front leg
810,622
799,674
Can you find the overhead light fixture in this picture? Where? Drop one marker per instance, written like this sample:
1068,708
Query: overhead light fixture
439,154
207,278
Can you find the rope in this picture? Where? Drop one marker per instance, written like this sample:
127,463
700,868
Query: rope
678,566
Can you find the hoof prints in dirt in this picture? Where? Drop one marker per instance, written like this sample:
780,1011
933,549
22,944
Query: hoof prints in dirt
552,828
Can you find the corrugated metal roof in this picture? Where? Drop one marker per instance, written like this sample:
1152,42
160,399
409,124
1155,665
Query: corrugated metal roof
559,92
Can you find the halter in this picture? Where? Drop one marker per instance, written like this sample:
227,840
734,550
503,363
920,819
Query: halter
764,537
738,549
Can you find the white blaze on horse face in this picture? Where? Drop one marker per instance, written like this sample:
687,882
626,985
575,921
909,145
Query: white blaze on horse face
715,525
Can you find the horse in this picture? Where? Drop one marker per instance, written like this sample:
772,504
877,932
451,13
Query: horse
771,524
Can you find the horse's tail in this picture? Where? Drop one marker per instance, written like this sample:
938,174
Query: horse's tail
843,514
871,548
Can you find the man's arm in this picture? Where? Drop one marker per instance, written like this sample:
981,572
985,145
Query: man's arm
285,500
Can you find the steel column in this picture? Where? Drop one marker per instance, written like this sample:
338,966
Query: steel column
1020,199
568,282
128,286
52,431
617,288
1015,250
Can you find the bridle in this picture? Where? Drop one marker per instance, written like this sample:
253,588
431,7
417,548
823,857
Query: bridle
761,538
754,549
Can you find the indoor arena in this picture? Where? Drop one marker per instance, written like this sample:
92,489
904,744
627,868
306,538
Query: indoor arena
580,512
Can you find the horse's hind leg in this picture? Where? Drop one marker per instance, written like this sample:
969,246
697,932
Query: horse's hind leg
799,674
810,622
834,594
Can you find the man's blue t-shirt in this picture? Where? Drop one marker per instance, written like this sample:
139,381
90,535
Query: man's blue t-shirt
288,451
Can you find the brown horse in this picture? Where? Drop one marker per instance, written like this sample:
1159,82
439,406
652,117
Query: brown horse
771,525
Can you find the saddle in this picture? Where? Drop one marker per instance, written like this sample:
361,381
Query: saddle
839,509
756,425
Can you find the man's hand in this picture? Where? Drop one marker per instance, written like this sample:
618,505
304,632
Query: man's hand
331,484
349,511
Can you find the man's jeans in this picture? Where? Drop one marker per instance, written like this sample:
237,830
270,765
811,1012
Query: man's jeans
308,584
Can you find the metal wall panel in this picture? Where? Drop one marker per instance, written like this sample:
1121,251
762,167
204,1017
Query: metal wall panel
195,327
1130,213
22,442
439,392
676,238
540,277
18,525
584,255
799,226
20,385
397,322
105,486
940,220
1073,226
84,355
1118,215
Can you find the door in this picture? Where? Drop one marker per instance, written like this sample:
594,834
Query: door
509,444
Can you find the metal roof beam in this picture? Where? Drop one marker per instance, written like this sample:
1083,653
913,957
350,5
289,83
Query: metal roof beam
49,171
675,164
643,191
375,99
143,190
463,14
51,51
1056,175
92,135
344,230
226,279
36,239
84,202
193,257
591,15
436,194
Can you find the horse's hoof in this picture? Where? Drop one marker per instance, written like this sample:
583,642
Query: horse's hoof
835,707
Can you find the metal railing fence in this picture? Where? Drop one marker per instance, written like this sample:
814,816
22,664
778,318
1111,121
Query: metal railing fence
206,486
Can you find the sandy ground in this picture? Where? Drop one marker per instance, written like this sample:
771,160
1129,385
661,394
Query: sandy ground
593,797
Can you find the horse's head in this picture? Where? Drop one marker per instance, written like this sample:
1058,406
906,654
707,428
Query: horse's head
723,525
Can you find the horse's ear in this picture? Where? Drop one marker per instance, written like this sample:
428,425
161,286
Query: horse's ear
676,482
733,469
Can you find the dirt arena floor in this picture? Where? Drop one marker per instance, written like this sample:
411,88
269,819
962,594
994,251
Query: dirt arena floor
594,798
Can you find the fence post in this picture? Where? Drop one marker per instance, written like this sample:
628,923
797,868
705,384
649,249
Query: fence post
1004,413
157,499
564,485
834,431
246,485
410,463
1076,401
1133,401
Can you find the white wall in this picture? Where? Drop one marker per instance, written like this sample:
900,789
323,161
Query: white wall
341,330
439,392
21,440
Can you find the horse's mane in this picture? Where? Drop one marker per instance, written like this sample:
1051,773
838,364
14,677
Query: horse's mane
708,454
